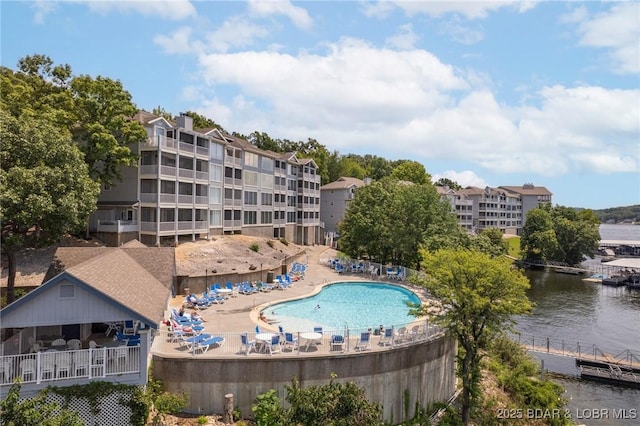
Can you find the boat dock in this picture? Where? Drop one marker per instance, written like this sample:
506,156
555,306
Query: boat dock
610,373
592,362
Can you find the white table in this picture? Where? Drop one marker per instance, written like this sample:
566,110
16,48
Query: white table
312,338
264,340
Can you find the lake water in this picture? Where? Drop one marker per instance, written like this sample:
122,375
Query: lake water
593,315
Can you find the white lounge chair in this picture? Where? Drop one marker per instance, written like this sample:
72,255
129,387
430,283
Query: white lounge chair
337,342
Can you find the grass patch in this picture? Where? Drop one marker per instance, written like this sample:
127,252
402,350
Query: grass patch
513,246
254,247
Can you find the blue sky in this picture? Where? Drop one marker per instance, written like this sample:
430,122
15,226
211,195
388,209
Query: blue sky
485,93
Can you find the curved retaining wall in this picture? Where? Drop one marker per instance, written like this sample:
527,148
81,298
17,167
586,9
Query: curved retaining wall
424,372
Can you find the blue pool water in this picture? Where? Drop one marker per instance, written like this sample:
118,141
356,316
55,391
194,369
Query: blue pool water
354,305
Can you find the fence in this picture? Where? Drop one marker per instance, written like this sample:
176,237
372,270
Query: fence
562,347
299,343
53,365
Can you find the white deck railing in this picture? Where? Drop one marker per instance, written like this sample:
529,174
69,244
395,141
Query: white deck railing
53,366
167,342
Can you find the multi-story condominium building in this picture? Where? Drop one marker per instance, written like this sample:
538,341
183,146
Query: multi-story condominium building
335,197
504,207
461,204
197,183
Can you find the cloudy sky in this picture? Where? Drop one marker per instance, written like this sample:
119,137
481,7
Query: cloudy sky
483,92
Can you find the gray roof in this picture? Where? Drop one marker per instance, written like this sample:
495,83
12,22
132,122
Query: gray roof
343,183
140,278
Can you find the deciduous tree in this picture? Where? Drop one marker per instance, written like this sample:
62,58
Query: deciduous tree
477,295
45,188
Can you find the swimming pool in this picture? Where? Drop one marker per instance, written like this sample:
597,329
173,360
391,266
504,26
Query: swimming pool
351,305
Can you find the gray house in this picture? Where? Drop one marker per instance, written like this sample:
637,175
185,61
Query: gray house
61,333
335,198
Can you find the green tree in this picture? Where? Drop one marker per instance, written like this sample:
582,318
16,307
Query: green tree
202,122
478,295
161,112
263,141
35,411
560,234
45,188
103,128
538,240
448,182
389,220
332,404
411,171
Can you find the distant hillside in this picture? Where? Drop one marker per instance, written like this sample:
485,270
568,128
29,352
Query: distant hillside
619,214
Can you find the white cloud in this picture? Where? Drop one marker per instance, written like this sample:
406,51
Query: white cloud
459,32
618,30
405,38
408,104
41,9
470,9
235,32
297,15
464,178
178,42
166,9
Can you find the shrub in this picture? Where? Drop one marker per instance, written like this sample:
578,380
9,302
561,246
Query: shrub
270,243
202,420
284,241
254,247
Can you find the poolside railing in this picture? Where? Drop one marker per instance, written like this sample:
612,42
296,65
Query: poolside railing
302,344
372,270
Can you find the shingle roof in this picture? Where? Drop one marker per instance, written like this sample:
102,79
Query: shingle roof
134,275
343,183
527,190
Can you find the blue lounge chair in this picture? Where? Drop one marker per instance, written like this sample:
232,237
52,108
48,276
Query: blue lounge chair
387,339
364,342
204,345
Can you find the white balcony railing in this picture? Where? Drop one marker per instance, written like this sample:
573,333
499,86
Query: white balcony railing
117,226
55,366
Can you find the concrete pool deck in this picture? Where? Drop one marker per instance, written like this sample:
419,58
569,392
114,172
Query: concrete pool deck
240,314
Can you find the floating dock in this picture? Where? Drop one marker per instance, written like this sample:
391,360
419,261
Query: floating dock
611,373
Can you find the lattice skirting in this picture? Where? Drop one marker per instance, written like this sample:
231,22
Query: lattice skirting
111,411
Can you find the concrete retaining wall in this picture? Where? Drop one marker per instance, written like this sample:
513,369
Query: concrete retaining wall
423,372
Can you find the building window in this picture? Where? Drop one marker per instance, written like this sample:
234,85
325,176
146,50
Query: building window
266,181
267,163
266,217
216,151
167,215
167,187
67,291
215,195
266,199
251,198
251,178
215,218
250,218
185,215
250,159
215,173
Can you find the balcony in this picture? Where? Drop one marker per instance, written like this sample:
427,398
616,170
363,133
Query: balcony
202,200
168,171
167,198
59,368
162,141
185,173
185,199
148,197
202,176
117,226
149,169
